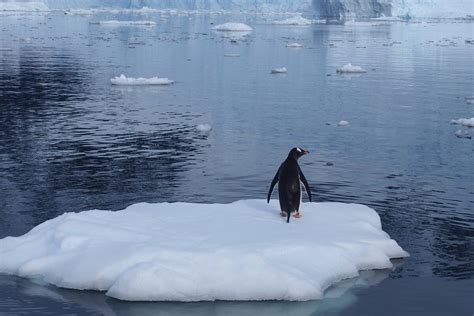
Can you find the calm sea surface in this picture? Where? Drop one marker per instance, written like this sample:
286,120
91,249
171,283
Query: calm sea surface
69,141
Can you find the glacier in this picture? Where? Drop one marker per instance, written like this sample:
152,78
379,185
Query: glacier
203,252
339,9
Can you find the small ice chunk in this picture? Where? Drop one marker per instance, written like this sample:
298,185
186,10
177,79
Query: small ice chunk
469,99
123,80
281,70
296,20
464,121
124,23
294,45
204,128
349,68
231,55
343,123
462,134
232,27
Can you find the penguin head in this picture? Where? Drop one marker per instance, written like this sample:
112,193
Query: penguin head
297,152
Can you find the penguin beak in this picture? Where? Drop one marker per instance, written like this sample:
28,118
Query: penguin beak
305,152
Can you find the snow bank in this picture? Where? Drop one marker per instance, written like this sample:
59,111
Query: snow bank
349,68
282,70
232,27
296,20
464,121
124,23
123,80
199,252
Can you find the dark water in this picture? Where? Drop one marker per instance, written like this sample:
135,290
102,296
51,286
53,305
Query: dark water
69,141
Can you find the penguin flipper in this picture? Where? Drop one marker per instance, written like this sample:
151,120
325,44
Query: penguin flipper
274,181
305,183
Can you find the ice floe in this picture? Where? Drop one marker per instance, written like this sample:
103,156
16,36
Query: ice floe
125,23
462,134
201,252
464,121
469,99
232,27
204,128
294,45
281,70
296,20
231,55
343,123
351,69
123,80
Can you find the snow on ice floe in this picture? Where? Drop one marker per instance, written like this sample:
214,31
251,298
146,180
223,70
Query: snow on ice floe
125,23
123,80
232,27
204,128
294,45
351,69
201,252
281,70
296,20
464,121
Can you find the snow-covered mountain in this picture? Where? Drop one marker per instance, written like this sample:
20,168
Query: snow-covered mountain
321,8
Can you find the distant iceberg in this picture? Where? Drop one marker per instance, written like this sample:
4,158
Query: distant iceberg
281,70
232,27
203,252
464,121
123,80
349,68
296,20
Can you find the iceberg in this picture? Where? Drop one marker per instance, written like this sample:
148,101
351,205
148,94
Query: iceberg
123,80
296,20
232,27
204,128
464,121
343,123
294,45
203,252
350,69
281,70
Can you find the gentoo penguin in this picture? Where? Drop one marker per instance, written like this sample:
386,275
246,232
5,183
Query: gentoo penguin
288,177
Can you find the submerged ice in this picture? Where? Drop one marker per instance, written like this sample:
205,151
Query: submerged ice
199,252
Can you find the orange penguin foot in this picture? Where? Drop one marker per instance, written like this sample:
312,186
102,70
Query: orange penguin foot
297,215
283,214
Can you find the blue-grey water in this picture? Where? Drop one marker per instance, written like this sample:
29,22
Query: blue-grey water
70,141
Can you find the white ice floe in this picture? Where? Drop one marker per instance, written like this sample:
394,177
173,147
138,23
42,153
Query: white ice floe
231,55
232,27
123,80
200,252
296,20
294,45
125,23
464,121
343,123
204,128
462,134
350,69
469,99
281,70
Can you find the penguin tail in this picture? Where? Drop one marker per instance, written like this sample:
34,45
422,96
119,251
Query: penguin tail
288,214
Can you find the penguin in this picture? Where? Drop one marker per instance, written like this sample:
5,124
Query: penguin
289,177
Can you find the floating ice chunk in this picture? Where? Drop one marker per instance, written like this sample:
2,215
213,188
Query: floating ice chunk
204,128
281,70
197,252
464,121
343,123
349,68
294,45
462,134
232,27
469,99
123,80
231,55
296,20
125,23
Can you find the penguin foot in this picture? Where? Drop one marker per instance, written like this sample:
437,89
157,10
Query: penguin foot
297,215
283,214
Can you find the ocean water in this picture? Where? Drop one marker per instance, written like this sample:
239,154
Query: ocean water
70,141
